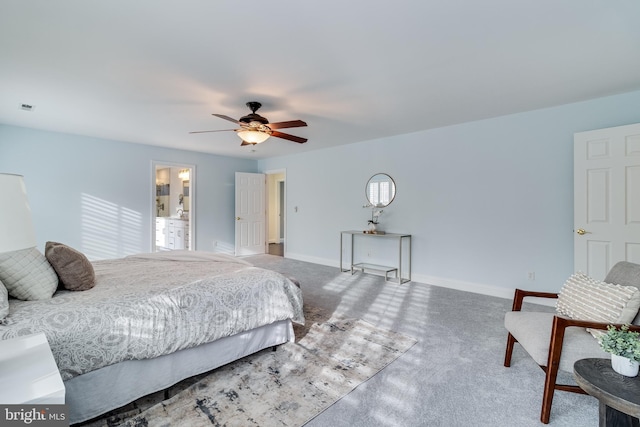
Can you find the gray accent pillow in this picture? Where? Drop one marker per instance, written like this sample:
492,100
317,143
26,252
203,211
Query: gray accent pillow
4,303
74,270
27,275
625,273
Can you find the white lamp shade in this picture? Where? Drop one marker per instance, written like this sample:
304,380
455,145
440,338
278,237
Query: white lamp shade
253,136
16,228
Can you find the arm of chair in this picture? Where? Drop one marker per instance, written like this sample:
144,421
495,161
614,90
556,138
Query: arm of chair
520,295
563,322
557,335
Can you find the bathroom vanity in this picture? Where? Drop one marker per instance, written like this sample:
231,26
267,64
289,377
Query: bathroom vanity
172,233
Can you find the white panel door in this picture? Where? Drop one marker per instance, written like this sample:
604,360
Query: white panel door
250,214
606,198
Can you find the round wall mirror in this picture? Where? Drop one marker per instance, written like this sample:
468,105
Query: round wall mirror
380,190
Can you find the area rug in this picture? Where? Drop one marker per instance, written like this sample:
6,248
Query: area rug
286,387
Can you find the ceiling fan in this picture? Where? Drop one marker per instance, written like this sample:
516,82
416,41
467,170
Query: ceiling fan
255,129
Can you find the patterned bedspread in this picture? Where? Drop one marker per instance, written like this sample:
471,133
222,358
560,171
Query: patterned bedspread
149,305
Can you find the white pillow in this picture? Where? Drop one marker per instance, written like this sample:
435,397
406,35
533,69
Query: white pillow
585,298
27,274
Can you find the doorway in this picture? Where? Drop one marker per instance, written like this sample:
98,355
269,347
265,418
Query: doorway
173,206
276,193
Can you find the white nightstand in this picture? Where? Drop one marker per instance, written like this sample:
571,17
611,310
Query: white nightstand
28,372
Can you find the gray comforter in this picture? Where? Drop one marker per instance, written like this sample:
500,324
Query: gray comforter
149,305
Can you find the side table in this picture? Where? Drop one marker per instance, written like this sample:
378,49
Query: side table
619,396
28,372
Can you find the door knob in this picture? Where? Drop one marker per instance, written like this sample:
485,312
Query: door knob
581,231
238,218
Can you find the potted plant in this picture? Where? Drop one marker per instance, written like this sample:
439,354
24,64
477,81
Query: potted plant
373,222
624,347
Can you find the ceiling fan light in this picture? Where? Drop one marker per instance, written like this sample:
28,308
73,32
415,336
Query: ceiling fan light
253,136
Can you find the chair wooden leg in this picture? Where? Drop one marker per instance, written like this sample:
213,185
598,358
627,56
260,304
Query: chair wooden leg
553,363
547,396
507,355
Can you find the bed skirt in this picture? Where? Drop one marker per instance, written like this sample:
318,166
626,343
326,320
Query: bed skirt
94,393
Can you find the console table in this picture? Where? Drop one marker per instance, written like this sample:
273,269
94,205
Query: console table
399,239
619,396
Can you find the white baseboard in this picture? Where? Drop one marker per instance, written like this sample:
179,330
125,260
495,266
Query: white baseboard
478,288
313,260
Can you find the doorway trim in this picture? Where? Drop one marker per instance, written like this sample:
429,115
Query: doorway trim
275,200
192,200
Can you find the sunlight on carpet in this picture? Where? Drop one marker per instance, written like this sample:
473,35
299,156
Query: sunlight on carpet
287,387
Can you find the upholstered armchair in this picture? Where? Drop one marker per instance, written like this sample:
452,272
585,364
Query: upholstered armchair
556,341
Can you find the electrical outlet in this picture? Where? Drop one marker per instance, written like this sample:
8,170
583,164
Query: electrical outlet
215,243
531,275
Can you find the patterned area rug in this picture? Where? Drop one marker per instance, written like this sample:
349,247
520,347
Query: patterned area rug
287,387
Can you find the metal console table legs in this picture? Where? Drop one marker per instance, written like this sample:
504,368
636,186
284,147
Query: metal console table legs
362,266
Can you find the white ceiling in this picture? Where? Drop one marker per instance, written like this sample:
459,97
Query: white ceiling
149,71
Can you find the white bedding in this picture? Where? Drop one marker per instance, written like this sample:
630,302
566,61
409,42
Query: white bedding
153,304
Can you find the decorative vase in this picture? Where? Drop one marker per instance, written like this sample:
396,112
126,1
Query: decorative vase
624,365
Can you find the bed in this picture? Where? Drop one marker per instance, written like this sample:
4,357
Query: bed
152,320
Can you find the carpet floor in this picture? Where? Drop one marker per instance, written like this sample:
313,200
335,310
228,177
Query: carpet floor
454,374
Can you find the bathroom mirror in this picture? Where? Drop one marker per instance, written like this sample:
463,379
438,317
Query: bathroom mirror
380,190
185,195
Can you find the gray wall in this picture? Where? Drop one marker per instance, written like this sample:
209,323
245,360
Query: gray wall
95,195
487,202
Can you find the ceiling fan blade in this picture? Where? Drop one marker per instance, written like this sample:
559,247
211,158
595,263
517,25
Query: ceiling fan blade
206,131
289,137
289,124
222,116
